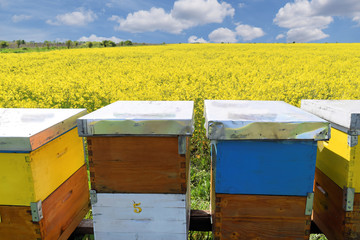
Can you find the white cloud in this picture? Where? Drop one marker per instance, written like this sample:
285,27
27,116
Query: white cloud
184,14
149,21
19,18
305,34
248,33
280,36
306,19
77,18
200,12
94,38
223,35
195,39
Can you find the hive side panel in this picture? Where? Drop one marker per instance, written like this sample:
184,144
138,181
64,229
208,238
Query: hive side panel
64,209
140,236
137,165
143,214
354,176
16,223
55,162
260,217
265,167
16,183
333,157
328,213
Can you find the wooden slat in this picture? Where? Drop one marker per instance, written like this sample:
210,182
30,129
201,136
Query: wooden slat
16,223
64,209
260,216
137,165
329,215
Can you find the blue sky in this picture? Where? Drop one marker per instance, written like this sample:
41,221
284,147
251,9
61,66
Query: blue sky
182,21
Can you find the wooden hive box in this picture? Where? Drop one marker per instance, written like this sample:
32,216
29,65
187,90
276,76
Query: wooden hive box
58,216
263,157
138,153
139,146
40,152
337,187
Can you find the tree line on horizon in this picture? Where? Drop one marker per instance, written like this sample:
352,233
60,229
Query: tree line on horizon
67,44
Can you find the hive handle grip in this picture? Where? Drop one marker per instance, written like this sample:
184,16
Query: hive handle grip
321,189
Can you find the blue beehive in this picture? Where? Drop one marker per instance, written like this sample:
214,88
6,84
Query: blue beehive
263,165
263,147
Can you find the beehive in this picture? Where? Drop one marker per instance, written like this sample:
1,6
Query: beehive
43,187
139,149
263,164
337,179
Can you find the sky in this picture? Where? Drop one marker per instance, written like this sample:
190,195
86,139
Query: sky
181,21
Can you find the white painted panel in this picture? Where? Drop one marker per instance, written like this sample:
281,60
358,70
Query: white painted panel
138,216
140,236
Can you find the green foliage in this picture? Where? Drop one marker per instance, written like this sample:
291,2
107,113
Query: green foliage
68,43
317,237
4,44
90,44
128,43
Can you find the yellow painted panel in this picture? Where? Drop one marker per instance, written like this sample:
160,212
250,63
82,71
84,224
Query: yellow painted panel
55,162
339,161
16,185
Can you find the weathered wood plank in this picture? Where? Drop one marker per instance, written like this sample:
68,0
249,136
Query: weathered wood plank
329,214
137,165
64,209
16,223
260,217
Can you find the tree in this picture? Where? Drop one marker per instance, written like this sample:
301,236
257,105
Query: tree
18,43
112,44
47,44
4,44
90,44
68,43
76,43
128,43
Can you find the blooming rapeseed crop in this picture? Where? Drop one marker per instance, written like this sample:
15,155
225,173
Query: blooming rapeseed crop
93,78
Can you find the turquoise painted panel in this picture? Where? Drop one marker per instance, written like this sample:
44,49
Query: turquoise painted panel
264,167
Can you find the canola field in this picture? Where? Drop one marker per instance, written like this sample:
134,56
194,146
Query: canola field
93,78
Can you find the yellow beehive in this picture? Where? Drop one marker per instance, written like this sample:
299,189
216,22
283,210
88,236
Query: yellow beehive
339,158
337,178
39,150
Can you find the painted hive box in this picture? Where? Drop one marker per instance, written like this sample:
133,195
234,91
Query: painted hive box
339,158
54,218
126,216
263,162
39,150
262,147
337,179
139,146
